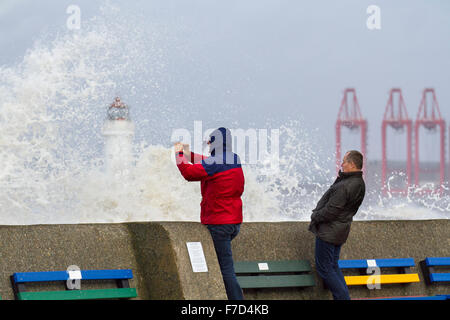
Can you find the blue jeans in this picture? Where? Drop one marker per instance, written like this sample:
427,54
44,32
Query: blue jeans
327,257
222,234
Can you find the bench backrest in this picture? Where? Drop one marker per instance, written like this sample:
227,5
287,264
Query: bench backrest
121,276
404,264
274,274
432,264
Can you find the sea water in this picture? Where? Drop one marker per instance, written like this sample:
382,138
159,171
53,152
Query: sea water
52,151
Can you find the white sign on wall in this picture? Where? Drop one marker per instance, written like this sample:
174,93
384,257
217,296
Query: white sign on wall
197,256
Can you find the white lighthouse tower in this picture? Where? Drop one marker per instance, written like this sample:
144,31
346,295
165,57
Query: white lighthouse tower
118,130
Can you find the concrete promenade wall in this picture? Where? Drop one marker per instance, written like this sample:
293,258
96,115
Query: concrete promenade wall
367,240
157,253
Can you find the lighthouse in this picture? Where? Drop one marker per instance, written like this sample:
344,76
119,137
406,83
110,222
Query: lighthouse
118,131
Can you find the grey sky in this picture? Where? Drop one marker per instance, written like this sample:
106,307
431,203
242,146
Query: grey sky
277,59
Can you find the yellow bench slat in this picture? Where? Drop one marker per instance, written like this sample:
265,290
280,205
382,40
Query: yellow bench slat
383,278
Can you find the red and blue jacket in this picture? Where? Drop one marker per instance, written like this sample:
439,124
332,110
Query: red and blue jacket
222,184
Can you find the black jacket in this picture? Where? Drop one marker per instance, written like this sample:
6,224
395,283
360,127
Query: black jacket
333,215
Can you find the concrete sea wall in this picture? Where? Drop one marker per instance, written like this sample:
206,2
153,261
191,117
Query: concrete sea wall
157,254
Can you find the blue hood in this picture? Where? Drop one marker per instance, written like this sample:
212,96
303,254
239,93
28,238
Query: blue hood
221,141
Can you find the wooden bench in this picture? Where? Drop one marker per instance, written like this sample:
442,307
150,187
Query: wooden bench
429,267
403,265
274,274
121,277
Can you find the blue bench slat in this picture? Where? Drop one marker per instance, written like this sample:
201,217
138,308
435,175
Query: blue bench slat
434,261
382,263
434,277
347,264
20,277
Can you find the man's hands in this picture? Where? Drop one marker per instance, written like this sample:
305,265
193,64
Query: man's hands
182,147
178,146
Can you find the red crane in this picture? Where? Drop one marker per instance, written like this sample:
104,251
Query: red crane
397,118
430,118
350,116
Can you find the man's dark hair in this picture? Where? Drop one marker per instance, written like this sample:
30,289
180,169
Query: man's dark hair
356,158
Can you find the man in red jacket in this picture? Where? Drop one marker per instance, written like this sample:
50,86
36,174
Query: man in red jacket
222,184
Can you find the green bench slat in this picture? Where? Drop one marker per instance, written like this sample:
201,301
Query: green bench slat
114,293
274,266
275,281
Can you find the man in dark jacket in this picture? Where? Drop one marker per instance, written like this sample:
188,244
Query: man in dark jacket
222,184
331,220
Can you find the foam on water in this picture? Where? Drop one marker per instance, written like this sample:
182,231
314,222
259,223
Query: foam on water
53,106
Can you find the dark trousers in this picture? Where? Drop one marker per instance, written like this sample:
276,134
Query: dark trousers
222,234
327,257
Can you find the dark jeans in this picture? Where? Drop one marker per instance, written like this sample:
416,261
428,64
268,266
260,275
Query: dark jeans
222,234
327,257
